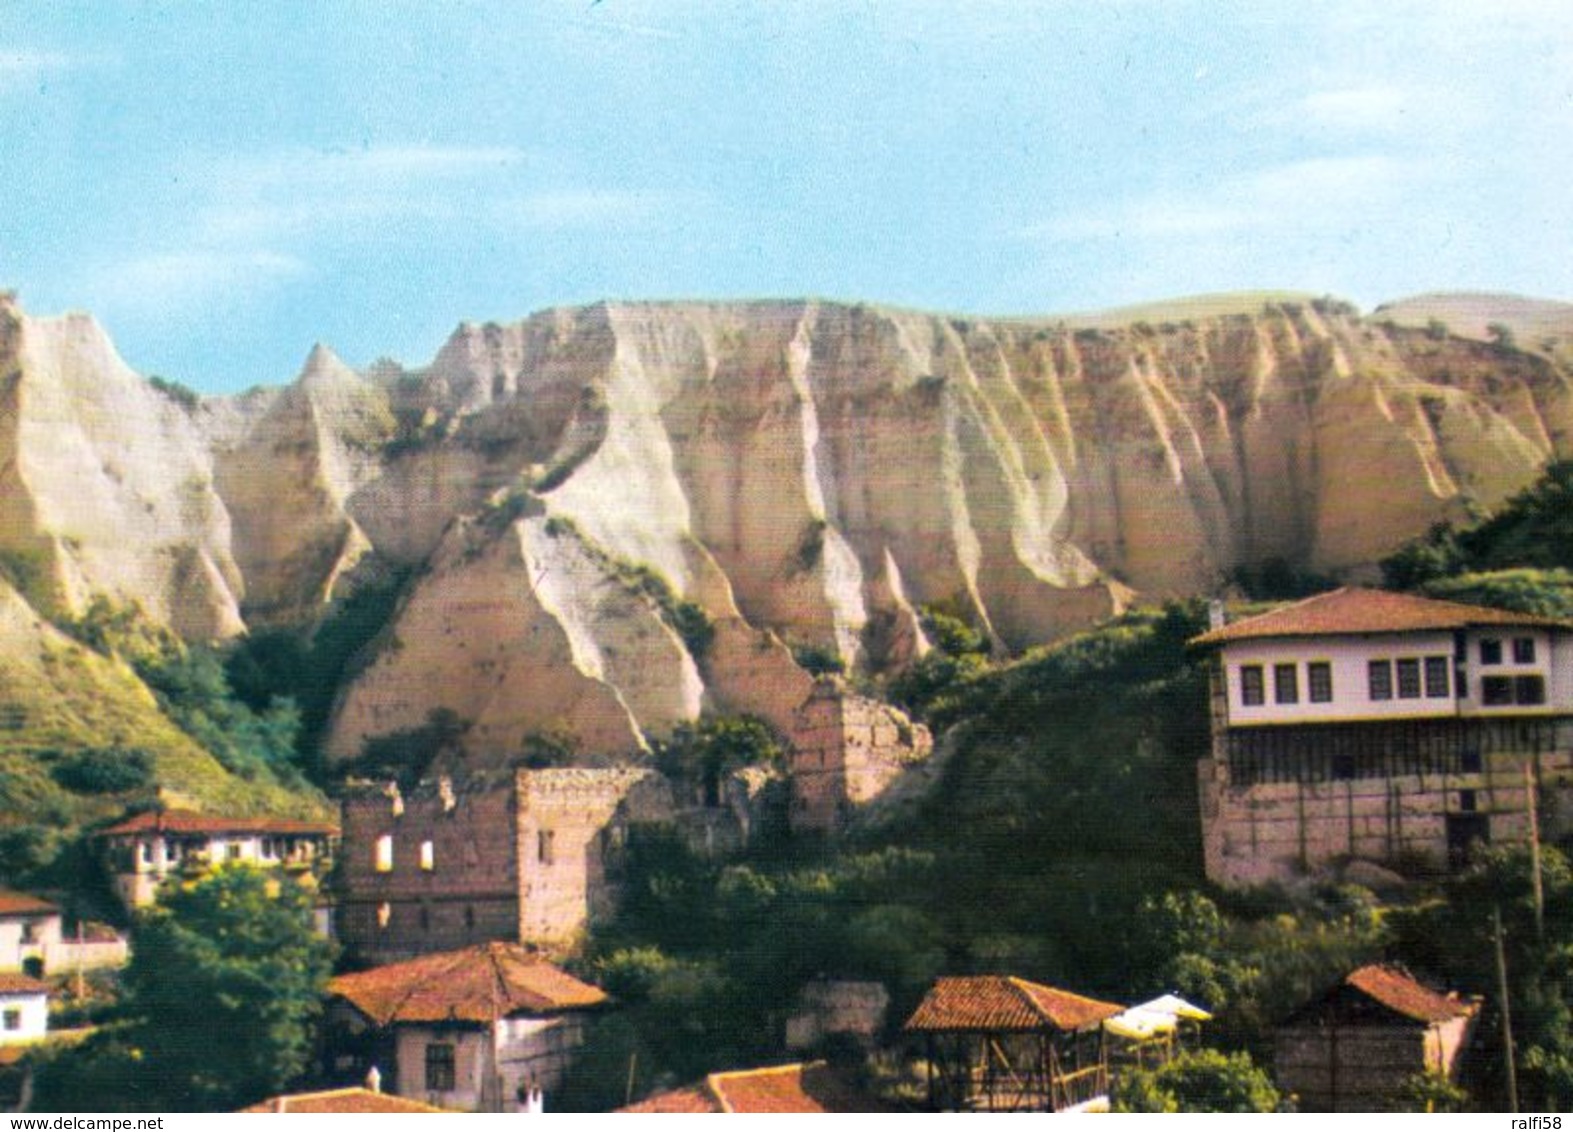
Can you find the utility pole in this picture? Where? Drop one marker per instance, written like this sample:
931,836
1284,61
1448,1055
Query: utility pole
1531,796
1507,1017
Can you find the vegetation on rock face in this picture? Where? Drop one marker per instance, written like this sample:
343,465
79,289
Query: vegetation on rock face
221,997
1532,531
308,669
703,753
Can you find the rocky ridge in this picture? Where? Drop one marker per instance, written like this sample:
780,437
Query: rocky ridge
807,474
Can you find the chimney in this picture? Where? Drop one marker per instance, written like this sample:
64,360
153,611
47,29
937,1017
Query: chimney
374,1080
1216,617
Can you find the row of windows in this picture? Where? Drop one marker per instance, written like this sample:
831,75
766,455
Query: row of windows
1404,678
383,852
423,913
1523,650
1429,676
383,855
1286,683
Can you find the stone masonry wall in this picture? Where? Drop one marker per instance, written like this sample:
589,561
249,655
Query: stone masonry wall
846,751
571,837
462,890
1277,831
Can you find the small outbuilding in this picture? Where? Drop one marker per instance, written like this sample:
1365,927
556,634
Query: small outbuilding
995,1043
1352,1048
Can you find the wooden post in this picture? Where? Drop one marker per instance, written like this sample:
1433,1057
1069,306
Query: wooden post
1507,1017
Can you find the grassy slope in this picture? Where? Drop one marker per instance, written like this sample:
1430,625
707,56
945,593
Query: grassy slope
56,695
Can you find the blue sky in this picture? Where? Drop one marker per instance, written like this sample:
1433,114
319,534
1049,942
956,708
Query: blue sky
225,184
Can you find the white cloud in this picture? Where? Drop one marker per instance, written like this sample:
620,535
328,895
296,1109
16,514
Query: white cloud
186,279
1362,109
1291,195
22,66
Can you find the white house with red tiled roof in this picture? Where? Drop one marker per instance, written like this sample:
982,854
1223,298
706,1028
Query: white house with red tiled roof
1361,724
146,848
476,1029
24,1009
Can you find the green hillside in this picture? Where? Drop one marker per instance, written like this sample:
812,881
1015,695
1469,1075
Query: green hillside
82,737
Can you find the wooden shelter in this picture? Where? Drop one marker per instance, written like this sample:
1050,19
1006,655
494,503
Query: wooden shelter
1000,1044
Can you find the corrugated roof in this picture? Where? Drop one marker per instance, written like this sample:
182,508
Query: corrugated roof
800,1088
1400,992
1001,1002
1355,611
341,1100
13,903
189,821
476,984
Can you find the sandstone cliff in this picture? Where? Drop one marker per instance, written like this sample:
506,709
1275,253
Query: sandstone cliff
806,473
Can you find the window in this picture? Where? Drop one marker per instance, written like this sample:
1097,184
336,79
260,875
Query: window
1436,678
1286,683
147,852
1502,691
232,851
439,1067
1466,801
1380,675
13,1018
1319,681
1490,651
384,914
384,858
543,846
428,856
1529,689
1495,691
1253,690
29,931
1409,679
1523,650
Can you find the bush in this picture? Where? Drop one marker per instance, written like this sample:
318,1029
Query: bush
104,770
1202,1080
820,660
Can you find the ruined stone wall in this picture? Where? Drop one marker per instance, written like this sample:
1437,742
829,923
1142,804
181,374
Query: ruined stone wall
570,841
451,878
1278,831
846,751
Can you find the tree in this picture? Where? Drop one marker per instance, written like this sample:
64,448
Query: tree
1202,1080
222,992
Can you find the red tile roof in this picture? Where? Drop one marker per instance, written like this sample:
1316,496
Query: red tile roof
21,984
1001,1002
188,821
1398,990
13,903
695,1099
341,1100
814,1087
1351,611
476,984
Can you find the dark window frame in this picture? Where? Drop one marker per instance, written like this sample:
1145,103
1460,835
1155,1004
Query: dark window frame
1253,685
1523,650
1438,678
1490,650
1379,680
1286,683
1406,671
1496,691
1319,682
441,1067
